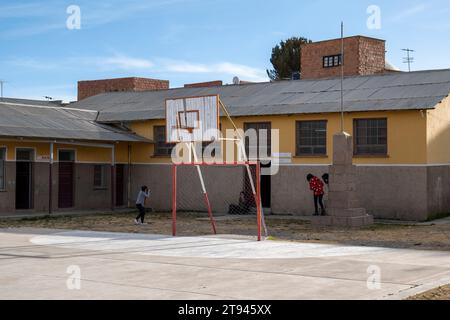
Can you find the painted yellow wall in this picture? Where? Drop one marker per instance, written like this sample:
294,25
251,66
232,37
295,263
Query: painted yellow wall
144,152
83,154
406,136
438,133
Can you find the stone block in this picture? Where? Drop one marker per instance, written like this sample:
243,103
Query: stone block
342,149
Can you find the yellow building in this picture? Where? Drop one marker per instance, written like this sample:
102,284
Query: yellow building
103,148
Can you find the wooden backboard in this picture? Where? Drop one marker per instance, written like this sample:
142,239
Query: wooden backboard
192,119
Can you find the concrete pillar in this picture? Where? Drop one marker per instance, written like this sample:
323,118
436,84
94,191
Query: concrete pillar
343,205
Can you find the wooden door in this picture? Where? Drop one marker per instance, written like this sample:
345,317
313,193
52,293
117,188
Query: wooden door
120,185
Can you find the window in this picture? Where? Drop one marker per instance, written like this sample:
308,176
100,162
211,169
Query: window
332,61
2,168
161,147
66,156
26,155
370,136
99,176
311,137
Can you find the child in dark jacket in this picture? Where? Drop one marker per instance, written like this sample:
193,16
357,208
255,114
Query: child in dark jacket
316,185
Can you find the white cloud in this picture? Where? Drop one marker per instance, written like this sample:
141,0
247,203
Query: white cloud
31,31
220,68
410,12
125,63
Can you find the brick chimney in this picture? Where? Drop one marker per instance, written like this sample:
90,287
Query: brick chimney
91,88
363,56
216,83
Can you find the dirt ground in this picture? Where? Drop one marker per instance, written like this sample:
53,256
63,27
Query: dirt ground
441,293
429,237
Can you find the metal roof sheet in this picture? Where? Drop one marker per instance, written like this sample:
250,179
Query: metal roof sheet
44,121
395,91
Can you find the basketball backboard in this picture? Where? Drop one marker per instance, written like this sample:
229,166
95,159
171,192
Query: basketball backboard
192,119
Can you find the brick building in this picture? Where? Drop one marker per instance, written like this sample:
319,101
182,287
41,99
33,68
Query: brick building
363,56
91,88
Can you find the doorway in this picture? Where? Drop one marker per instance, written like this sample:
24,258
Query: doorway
24,179
66,179
120,175
266,180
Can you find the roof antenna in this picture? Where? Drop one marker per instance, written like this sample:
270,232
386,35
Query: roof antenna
408,59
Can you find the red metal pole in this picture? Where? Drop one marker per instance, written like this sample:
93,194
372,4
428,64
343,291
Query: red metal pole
258,198
174,200
211,218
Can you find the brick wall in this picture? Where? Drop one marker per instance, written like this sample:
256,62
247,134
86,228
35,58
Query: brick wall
216,83
372,56
91,88
363,56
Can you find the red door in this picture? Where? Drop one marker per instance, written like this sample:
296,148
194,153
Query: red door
120,175
66,183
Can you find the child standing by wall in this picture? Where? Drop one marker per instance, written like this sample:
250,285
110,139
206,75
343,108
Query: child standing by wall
316,185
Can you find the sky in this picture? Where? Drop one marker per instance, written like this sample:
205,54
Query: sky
44,52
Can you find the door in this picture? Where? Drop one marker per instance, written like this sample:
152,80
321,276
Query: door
66,179
24,179
120,177
264,157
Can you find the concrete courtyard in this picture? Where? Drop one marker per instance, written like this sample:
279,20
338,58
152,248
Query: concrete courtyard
39,264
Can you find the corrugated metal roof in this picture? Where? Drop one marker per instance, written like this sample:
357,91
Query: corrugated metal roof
32,102
50,122
396,91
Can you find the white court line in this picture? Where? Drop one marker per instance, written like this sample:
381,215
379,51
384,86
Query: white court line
197,247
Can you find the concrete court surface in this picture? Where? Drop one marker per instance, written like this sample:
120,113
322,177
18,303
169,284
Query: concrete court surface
34,264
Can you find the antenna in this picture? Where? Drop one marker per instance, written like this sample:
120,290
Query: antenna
408,59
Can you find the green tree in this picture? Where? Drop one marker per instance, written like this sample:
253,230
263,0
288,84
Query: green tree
286,58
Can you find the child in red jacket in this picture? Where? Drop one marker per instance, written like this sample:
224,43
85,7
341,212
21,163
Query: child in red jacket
316,185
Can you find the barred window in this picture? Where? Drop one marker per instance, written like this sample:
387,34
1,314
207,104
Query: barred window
370,136
161,147
311,138
332,61
2,168
100,176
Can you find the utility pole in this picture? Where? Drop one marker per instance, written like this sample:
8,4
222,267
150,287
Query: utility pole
408,59
342,77
1,88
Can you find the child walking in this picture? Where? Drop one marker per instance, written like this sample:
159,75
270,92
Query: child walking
316,185
140,205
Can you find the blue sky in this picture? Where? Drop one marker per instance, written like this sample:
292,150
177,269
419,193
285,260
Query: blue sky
187,41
